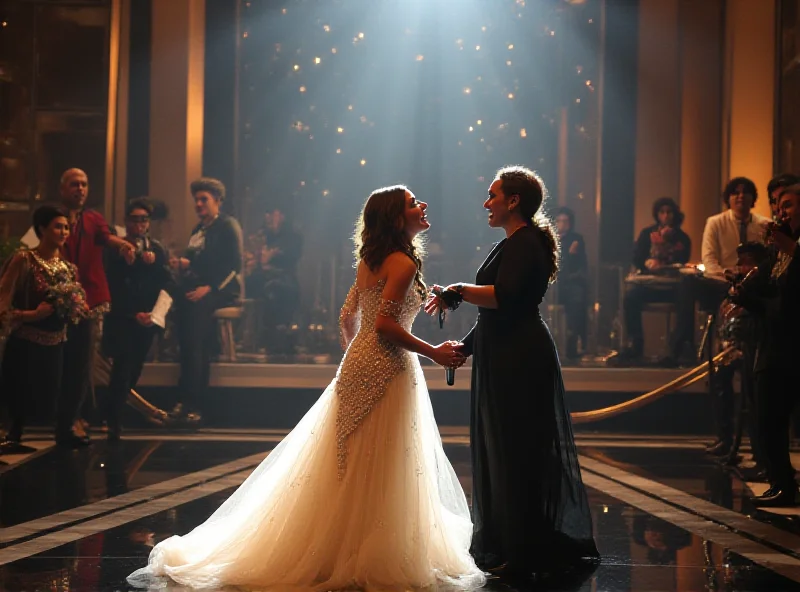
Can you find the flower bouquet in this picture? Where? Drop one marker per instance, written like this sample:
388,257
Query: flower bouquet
664,246
69,301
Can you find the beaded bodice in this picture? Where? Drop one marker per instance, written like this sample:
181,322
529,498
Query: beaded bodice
371,362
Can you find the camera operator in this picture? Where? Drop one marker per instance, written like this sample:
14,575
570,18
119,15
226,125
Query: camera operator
775,299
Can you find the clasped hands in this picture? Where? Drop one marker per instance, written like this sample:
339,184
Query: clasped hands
449,354
180,264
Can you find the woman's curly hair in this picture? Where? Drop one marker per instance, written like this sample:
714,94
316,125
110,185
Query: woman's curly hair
380,231
529,186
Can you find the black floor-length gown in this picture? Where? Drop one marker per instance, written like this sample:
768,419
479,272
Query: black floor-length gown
529,504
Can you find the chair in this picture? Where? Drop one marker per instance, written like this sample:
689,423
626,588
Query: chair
225,317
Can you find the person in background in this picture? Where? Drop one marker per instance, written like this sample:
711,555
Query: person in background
89,236
210,278
722,236
32,361
280,290
129,330
775,299
658,247
738,224
573,284
776,186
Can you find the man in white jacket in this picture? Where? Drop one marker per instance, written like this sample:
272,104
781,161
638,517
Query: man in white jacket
722,236
737,225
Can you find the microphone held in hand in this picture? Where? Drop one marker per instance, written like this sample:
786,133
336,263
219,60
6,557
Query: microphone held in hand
448,300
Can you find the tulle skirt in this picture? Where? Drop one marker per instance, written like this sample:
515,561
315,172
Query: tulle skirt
397,519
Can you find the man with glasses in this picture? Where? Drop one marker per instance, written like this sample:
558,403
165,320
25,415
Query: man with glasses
776,187
129,328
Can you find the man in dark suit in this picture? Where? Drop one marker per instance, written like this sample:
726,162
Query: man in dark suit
777,300
129,328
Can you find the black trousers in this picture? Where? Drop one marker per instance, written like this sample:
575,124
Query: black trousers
636,296
198,340
777,394
79,351
281,294
575,299
723,402
127,343
32,376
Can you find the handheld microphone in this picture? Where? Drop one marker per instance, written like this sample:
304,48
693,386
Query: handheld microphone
449,373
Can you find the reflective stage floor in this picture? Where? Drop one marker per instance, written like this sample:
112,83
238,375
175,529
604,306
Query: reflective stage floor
666,517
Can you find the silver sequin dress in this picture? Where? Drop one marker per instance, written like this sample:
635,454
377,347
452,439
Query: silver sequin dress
359,495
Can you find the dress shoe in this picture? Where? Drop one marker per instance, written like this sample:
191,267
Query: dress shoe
14,446
776,497
177,411
180,417
721,448
73,441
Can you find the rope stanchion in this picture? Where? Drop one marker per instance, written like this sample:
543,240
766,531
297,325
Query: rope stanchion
694,375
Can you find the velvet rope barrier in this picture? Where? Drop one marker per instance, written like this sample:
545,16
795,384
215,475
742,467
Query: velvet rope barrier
694,375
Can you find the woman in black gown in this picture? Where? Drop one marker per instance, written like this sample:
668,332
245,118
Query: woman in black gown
529,504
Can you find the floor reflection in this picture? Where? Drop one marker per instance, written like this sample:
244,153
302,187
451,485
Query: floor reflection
640,551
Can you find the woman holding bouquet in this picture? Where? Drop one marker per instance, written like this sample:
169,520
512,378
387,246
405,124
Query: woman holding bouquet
39,295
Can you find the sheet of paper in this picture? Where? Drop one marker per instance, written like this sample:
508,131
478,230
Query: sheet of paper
160,310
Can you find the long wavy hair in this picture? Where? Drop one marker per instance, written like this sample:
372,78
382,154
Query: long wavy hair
528,185
380,231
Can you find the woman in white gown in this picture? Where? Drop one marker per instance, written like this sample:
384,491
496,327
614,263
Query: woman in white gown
360,494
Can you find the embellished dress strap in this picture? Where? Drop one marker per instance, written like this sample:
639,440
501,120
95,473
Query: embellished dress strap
390,308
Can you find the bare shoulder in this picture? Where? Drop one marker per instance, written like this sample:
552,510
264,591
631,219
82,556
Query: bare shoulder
399,263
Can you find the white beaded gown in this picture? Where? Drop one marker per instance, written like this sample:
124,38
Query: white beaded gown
360,495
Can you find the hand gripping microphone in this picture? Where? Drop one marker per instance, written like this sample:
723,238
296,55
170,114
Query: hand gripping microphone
451,300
